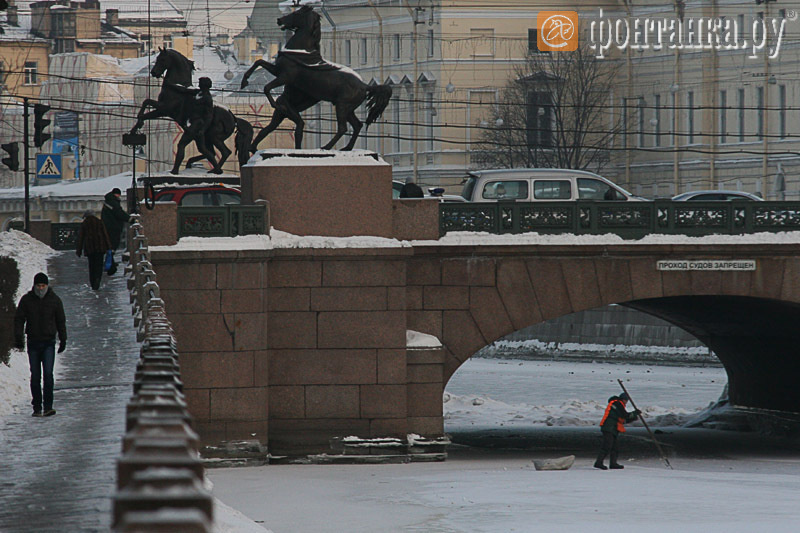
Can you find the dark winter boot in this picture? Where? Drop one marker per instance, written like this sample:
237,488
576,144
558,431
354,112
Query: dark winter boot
614,465
599,462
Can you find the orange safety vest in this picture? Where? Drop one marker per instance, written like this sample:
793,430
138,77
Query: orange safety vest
620,420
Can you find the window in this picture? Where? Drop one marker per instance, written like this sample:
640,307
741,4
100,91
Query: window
782,110
657,118
482,40
552,190
168,41
505,190
760,105
624,122
740,105
197,198
396,46
348,52
396,125
533,43
431,119
31,68
431,43
673,119
641,122
740,27
690,115
225,198
2,72
723,116
591,189
363,50
539,122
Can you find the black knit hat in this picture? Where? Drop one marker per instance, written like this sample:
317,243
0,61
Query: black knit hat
116,191
41,277
624,397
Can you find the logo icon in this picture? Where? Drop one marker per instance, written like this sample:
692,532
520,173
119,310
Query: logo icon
558,31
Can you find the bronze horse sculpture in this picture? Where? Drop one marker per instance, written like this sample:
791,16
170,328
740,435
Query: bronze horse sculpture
177,70
308,79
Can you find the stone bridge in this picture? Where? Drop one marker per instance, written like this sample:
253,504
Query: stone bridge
296,346
295,341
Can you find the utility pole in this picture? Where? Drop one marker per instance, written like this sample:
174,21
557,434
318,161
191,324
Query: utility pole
380,64
26,157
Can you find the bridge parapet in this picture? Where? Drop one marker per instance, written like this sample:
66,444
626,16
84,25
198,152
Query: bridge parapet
629,220
160,476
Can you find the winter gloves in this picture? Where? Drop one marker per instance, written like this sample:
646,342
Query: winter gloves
62,346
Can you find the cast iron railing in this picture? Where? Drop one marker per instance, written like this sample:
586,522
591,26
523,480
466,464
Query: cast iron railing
160,476
223,221
629,220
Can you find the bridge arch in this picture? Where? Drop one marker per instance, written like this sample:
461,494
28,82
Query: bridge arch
748,318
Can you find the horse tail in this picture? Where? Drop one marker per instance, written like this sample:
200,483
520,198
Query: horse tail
244,136
378,97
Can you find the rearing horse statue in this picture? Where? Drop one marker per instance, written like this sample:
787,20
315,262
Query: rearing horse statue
308,79
177,70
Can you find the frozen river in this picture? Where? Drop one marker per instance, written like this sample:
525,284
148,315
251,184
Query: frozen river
721,482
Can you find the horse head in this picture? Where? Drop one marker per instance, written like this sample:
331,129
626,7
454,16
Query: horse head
171,63
305,23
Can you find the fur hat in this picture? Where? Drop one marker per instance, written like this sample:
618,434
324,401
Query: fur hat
41,277
88,213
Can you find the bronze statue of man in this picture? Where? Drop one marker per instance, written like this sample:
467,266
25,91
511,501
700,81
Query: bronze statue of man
198,113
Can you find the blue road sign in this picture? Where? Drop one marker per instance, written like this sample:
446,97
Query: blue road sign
48,166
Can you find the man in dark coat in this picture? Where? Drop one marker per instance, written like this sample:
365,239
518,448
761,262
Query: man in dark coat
114,219
94,242
40,315
612,425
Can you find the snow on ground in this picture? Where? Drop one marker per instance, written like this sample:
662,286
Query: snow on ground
31,257
479,491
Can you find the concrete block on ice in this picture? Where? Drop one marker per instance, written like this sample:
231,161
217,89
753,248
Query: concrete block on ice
562,463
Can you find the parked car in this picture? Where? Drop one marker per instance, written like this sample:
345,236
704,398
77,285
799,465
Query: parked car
716,196
432,192
198,196
541,185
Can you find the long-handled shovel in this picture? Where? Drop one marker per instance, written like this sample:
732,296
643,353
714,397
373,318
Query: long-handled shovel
660,451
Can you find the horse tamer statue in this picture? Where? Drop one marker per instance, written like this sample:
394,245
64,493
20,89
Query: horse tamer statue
178,102
308,79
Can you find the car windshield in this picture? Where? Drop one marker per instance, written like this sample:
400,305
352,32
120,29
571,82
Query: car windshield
469,186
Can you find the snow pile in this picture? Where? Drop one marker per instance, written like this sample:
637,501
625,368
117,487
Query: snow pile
465,411
469,238
280,239
421,341
31,257
536,349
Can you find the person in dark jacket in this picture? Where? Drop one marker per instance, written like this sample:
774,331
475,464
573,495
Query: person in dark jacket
114,219
94,242
611,426
40,315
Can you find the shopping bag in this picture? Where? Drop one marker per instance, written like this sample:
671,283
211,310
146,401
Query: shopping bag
109,260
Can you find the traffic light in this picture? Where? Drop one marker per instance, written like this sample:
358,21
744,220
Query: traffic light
12,161
39,124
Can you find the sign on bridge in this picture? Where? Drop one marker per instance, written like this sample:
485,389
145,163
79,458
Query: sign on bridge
708,264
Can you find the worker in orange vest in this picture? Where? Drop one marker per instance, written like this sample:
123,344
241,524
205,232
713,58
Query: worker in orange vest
612,425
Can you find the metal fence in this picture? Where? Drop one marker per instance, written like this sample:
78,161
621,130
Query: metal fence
160,476
223,221
630,220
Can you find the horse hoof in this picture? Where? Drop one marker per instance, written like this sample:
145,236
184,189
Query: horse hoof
175,172
215,171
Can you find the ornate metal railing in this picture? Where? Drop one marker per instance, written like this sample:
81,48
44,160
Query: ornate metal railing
224,221
630,220
160,476
64,235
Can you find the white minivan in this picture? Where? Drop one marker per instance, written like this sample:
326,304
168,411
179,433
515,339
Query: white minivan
541,185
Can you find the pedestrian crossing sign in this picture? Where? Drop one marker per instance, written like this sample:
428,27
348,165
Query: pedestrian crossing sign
48,165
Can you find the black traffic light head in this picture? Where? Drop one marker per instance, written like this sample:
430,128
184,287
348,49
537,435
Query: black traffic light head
12,161
39,124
